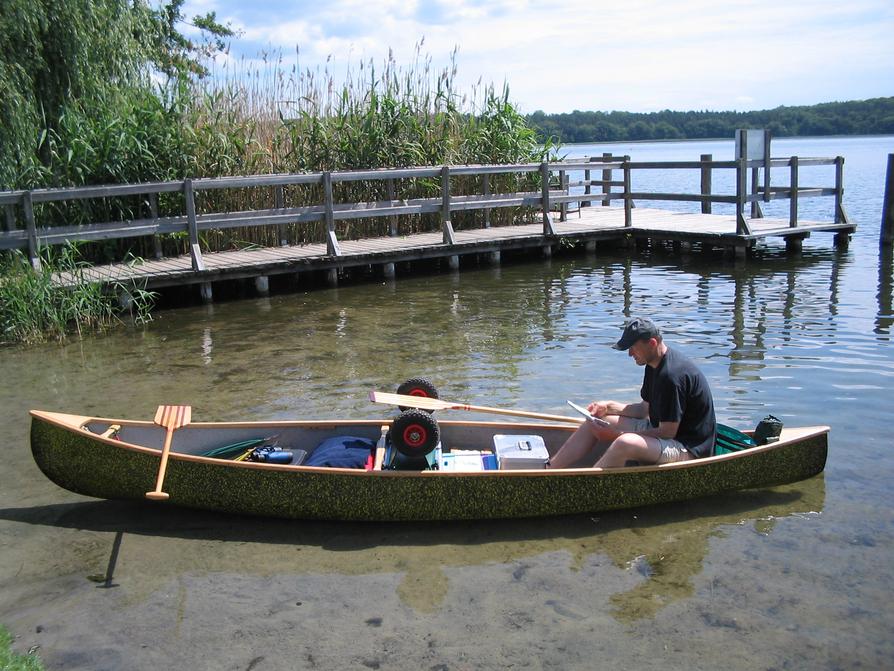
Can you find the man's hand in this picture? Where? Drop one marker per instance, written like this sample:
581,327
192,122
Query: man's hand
598,408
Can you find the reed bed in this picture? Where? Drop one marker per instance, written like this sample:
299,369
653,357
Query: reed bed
121,124
35,306
266,116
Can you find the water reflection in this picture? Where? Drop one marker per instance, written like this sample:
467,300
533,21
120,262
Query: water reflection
885,317
788,299
664,548
207,346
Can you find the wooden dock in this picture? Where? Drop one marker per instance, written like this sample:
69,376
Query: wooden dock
594,224
560,210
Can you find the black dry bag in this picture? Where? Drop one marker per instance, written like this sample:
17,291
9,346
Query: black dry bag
768,430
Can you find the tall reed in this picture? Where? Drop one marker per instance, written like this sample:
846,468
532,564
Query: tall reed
269,116
60,299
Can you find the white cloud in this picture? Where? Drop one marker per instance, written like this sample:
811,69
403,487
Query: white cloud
639,55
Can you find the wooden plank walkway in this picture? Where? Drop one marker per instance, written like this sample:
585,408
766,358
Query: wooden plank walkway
592,223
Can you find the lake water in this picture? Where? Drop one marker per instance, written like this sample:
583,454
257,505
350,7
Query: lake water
792,577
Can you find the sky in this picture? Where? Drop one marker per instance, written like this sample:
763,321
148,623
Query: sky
565,55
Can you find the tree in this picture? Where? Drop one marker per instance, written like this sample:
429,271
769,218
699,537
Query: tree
69,68
853,117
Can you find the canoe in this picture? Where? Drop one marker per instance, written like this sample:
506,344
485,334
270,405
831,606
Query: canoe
72,451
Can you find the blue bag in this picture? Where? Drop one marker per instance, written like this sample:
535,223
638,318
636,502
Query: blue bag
341,452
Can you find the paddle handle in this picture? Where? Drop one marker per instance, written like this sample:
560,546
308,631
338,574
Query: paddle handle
157,494
427,403
519,413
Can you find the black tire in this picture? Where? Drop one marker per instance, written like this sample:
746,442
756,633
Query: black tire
415,433
418,386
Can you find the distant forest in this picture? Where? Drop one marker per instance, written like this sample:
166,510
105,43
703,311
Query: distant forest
858,117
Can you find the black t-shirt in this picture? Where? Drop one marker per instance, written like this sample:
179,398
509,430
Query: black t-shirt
677,391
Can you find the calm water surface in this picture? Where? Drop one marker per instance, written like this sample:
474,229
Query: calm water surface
793,577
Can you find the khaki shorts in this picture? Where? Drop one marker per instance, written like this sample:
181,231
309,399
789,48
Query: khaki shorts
671,450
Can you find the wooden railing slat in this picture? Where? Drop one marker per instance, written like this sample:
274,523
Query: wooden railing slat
330,212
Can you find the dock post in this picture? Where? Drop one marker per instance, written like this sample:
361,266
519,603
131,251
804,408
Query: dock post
755,206
195,250
741,177
563,186
886,236
10,224
125,300
279,202
388,271
606,177
262,285
453,262
842,238
547,251
446,225
590,246
706,181
332,277
628,200
485,178
794,244
206,292
153,214
332,246
392,221
31,227
587,189
494,258
544,197
793,193
885,318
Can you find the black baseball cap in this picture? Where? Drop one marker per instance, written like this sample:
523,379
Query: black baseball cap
636,329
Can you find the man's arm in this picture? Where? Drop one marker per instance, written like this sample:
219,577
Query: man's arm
664,430
635,410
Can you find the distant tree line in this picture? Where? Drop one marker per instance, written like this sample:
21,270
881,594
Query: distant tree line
857,117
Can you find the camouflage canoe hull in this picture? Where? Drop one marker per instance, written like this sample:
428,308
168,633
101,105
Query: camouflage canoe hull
71,452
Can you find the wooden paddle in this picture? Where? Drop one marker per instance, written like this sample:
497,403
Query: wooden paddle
171,417
426,403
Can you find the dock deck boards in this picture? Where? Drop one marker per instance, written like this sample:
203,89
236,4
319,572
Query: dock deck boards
592,223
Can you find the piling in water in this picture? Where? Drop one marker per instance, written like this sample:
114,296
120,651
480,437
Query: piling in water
886,236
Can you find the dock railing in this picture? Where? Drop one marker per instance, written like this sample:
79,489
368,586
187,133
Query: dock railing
759,191
23,231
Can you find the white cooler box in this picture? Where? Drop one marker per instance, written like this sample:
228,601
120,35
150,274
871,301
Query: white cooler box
515,452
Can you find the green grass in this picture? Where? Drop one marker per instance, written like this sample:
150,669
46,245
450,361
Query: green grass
34,307
10,661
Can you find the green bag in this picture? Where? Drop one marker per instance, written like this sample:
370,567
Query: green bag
731,440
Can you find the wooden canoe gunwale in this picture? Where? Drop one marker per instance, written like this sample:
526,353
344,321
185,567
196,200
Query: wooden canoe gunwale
84,462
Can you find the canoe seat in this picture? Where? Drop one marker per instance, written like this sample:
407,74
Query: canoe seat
112,431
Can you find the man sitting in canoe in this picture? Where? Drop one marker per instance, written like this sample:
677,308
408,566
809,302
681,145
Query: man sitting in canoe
674,421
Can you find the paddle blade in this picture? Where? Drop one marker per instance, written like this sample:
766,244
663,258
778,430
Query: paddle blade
421,402
173,416
157,496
